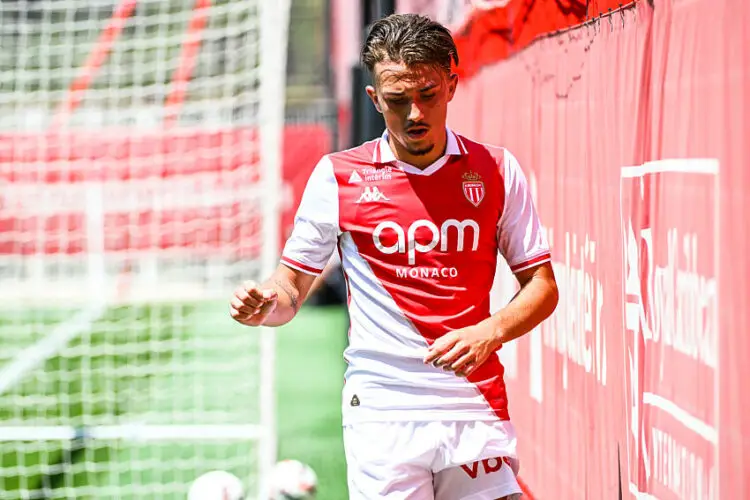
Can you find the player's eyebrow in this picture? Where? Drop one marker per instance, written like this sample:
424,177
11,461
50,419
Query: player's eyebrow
398,93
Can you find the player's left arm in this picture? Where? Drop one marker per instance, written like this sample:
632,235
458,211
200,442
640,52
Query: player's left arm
463,350
521,241
534,302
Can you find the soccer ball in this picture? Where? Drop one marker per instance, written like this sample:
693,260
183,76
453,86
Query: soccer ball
217,485
293,480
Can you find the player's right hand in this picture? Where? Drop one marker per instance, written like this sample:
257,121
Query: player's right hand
252,304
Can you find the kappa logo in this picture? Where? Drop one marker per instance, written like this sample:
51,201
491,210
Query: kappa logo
473,188
371,194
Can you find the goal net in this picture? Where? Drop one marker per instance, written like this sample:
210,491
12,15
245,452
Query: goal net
139,184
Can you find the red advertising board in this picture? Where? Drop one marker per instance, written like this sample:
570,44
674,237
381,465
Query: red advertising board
631,130
671,326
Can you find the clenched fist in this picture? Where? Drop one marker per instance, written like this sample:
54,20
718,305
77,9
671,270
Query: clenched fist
252,304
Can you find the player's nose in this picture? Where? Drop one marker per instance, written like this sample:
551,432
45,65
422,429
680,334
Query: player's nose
415,113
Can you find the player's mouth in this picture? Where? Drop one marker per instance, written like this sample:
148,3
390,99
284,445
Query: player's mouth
416,133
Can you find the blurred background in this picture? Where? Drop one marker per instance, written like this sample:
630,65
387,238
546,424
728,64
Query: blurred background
153,154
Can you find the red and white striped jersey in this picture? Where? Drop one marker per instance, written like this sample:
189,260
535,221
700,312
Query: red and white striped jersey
419,250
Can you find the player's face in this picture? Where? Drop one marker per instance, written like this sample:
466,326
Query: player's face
414,103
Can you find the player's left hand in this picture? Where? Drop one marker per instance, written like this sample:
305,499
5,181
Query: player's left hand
464,350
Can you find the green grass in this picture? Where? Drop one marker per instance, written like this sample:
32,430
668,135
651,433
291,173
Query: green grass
310,371
157,364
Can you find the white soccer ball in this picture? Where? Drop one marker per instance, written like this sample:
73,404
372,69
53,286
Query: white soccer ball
293,480
217,485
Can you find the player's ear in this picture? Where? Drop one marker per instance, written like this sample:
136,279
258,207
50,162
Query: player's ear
452,85
373,94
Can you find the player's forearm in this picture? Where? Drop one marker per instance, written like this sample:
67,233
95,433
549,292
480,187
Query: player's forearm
292,288
534,303
288,302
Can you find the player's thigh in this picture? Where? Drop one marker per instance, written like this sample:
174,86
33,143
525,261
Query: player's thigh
489,479
388,461
402,482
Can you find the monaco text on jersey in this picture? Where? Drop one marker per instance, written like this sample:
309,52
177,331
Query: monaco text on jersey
406,242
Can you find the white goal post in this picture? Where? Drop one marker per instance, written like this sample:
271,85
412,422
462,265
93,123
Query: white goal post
140,182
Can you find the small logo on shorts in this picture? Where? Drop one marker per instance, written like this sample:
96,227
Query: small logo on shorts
354,401
489,465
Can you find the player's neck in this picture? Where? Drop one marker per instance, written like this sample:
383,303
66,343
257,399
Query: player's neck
419,161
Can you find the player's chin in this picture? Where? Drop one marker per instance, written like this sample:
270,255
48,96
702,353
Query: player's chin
420,151
419,147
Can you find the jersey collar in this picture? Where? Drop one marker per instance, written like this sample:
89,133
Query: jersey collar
384,154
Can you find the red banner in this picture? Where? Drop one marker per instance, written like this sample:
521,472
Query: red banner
631,131
671,326
186,190
488,31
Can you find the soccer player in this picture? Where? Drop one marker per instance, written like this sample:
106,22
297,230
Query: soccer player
418,216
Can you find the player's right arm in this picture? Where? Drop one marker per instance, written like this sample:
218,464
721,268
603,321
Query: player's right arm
274,302
307,251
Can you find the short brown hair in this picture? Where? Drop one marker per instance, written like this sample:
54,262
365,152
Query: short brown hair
411,39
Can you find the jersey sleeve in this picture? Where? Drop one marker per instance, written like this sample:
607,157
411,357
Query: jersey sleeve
521,240
316,223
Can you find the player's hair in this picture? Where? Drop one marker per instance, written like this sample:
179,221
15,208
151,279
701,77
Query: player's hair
410,39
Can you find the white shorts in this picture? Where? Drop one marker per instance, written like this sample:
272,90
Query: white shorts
431,460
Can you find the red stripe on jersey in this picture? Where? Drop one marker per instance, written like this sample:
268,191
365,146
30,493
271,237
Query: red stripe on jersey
461,146
489,380
300,266
531,262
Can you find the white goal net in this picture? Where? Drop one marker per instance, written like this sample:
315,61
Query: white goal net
139,182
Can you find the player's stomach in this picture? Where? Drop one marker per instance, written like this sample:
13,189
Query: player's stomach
389,386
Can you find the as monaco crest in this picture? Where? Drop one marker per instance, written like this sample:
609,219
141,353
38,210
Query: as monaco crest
473,188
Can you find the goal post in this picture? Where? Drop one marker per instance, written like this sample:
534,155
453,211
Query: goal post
140,182
273,59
